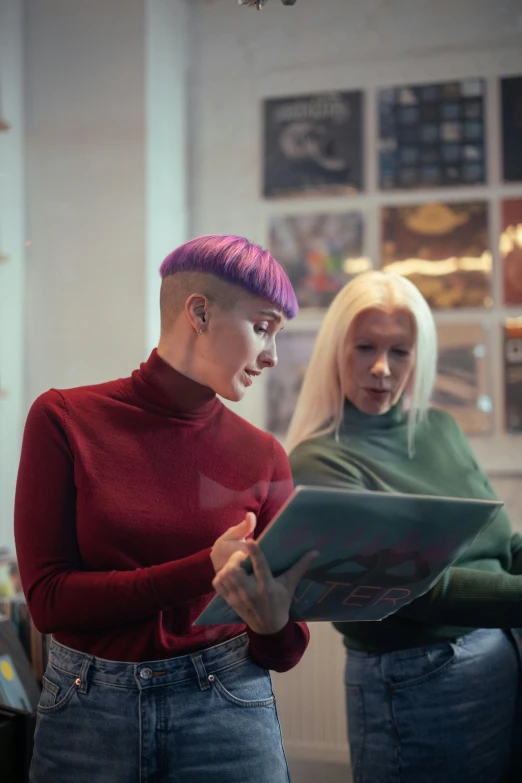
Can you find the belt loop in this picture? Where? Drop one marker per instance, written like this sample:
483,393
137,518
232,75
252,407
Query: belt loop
81,681
201,672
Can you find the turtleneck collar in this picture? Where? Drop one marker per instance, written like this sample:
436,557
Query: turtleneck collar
355,419
166,391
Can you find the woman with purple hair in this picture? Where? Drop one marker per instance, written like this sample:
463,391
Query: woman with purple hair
136,499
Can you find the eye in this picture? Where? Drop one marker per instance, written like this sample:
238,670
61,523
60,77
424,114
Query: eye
402,352
364,347
258,329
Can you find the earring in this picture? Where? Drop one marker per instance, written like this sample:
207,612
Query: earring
200,333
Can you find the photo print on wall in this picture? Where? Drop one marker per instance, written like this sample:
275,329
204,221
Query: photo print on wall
511,98
320,253
443,249
461,386
432,135
294,349
511,250
513,374
313,144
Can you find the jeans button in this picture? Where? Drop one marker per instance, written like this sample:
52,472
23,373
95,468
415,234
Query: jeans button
146,673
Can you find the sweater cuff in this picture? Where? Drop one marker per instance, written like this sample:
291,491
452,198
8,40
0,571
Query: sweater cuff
280,651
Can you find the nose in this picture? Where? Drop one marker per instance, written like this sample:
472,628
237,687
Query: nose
381,368
269,357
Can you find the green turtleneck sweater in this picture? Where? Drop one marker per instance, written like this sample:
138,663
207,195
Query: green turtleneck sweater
484,587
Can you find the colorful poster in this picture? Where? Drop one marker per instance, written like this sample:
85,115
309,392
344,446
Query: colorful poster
432,135
511,94
443,249
461,386
313,144
511,250
320,252
294,349
513,373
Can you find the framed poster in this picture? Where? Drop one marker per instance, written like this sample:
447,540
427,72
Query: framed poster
443,249
294,349
313,144
320,253
511,250
461,386
432,135
513,373
511,97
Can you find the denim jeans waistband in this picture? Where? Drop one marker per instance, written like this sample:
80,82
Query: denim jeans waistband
145,674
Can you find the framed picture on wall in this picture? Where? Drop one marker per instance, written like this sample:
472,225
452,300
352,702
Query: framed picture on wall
511,98
313,144
294,349
511,250
320,252
442,248
461,386
513,373
432,135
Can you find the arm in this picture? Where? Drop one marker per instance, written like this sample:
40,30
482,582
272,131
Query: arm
283,650
516,554
61,595
471,598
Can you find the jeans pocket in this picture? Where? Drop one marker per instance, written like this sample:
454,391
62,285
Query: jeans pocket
58,688
410,672
356,728
246,685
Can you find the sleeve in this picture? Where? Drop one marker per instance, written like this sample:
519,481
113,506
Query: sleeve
283,650
516,554
61,595
470,598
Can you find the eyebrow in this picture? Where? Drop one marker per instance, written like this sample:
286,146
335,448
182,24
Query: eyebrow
273,314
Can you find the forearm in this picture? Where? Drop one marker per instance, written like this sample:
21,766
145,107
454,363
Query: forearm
280,651
470,598
74,600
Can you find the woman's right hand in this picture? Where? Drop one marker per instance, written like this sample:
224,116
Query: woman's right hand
232,540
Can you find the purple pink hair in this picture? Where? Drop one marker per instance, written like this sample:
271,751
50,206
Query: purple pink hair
237,261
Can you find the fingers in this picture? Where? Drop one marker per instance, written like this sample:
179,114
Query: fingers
295,573
244,529
260,566
232,578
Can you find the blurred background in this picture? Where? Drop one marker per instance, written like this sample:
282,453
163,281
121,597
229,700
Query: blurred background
344,135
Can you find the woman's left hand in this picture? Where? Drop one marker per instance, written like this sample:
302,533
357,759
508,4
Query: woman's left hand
260,599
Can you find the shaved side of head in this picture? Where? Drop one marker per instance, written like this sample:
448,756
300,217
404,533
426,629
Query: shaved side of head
178,287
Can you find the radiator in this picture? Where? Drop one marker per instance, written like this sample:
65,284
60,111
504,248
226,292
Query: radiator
310,700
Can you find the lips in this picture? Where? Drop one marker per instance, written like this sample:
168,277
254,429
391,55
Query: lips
250,375
377,393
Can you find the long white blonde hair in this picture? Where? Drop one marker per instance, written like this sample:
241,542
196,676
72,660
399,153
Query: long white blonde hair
319,409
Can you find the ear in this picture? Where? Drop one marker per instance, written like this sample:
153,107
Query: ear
196,310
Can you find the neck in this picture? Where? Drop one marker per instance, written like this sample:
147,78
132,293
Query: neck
178,351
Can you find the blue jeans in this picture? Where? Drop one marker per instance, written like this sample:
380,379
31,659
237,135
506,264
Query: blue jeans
207,717
438,714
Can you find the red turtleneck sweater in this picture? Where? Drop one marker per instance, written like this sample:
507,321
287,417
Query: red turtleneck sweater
123,488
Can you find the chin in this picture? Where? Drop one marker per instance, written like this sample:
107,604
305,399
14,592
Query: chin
234,395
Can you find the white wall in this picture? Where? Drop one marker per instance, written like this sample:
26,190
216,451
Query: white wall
86,220
12,268
241,56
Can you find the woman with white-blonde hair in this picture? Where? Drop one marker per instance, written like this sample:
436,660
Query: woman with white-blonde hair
433,691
